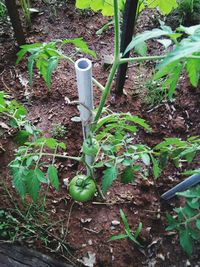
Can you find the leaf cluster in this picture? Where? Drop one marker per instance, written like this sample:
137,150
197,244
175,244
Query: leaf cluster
16,118
120,153
27,168
184,54
187,219
46,56
177,150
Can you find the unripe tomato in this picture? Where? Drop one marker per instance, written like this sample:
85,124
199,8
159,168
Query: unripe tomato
90,147
82,188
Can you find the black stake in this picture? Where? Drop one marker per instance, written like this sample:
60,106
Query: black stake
130,15
15,20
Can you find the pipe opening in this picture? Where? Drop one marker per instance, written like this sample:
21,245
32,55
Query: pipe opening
83,64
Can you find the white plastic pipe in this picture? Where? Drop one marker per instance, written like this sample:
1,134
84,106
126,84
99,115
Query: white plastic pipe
83,69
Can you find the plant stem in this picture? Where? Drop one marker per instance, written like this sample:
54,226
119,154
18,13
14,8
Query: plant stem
114,66
138,59
56,156
133,59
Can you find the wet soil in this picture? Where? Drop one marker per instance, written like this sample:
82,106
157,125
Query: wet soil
87,227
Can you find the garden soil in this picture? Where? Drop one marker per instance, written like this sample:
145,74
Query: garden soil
80,232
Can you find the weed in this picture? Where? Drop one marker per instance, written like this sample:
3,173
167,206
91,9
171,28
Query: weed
128,233
156,93
59,130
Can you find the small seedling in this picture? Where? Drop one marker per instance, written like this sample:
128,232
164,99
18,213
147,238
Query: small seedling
128,233
59,130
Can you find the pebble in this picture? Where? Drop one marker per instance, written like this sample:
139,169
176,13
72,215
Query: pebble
115,223
187,263
90,242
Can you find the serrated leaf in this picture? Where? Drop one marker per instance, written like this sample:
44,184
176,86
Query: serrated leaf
33,184
156,169
40,176
184,49
53,176
127,175
138,121
189,30
51,143
186,241
52,65
81,44
193,70
165,42
109,175
21,137
146,35
19,182
31,61
141,49
146,159
164,6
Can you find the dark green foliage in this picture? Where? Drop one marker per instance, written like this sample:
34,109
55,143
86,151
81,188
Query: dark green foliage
187,219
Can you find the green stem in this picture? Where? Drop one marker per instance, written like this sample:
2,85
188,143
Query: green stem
138,59
114,66
56,156
134,59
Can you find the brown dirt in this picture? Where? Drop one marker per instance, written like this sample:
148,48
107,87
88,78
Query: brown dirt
140,201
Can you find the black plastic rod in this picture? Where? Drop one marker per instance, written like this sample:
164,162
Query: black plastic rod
15,20
130,15
190,181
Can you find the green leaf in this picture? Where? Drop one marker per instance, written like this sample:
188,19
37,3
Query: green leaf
164,6
52,65
138,121
53,176
109,175
51,143
18,182
125,221
118,237
165,42
184,49
193,70
21,137
33,184
189,30
146,35
141,49
169,142
31,61
127,175
146,159
186,241
40,176
81,44
190,172
25,49
156,169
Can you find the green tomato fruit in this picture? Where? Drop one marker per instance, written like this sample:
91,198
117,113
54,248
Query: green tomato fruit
82,188
90,148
